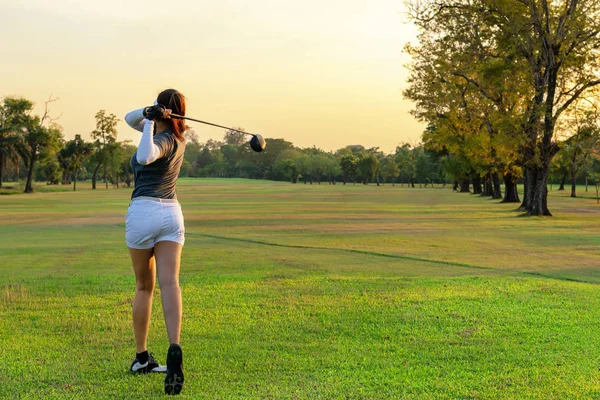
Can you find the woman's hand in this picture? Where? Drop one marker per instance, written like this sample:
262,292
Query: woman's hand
157,111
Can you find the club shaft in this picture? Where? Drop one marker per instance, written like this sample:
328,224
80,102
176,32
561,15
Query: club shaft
210,123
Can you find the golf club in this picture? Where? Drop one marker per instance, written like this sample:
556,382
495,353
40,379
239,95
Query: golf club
257,143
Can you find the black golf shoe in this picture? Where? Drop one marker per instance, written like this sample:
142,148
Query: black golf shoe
174,379
149,366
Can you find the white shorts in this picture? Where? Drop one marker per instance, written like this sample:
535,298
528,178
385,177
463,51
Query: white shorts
151,220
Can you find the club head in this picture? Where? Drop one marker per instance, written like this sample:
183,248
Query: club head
257,143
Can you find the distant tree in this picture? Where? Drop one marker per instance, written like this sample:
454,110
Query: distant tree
267,159
35,138
578,150
332,169
235,137
124,169
595,178
304,167
348,164
426,172
213,144
405,159
285,165
49,167
457,169
192,149
73,155
205,158
230,158
104,136
367,167
389,169
13,116
287,170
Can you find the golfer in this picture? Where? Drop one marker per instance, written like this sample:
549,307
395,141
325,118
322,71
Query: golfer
154,229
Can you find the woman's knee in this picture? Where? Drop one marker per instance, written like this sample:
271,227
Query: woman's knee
146,285
168,283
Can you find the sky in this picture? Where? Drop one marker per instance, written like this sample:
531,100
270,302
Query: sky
326,73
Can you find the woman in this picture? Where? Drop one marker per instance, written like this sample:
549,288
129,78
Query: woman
155,230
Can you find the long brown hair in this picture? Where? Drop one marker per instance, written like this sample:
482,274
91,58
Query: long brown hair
175,101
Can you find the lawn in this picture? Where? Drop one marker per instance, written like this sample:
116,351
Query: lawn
308,291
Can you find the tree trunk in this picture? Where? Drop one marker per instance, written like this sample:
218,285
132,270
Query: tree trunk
547,149
539,202
477,184
74,181
488,189
562,182
573,184
496,189
464,186
95,174
105,180
1,168
529,180
28,186
455,186
511,195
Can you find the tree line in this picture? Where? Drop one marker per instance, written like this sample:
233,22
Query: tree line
33,148
509,90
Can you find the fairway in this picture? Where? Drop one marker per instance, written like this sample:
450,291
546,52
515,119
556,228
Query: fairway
308,291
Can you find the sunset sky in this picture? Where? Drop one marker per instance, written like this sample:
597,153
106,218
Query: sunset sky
325,73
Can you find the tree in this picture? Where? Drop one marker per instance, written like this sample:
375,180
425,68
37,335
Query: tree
230,158
332,169
367,167
267,159
13,117
546,57
235,137
125,171
304,167
426,172
104,136
577,150
389,169
285,165
318,167
405,159
205,158
35,138
348,163
287,170
73,155
49,167
595,177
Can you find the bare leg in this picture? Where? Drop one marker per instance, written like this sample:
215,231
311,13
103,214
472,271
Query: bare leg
168,255
144,268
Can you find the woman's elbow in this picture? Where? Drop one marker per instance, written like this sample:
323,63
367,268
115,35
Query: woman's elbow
143,160
130,119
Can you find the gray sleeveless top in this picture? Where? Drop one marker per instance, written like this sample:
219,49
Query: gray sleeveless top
159,178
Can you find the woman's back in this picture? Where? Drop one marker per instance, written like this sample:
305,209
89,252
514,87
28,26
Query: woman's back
159,178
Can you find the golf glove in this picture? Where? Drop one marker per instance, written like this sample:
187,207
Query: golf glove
157,111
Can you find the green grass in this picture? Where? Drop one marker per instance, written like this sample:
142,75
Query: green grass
300,291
